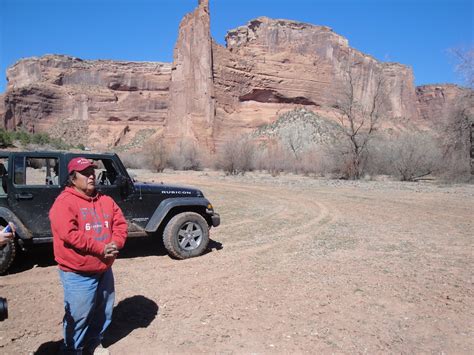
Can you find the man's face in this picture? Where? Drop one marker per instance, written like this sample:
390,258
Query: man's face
85,181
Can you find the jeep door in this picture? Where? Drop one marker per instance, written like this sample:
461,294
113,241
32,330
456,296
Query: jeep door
32,188
112,180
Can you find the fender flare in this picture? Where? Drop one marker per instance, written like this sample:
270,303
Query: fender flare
21,231
166,205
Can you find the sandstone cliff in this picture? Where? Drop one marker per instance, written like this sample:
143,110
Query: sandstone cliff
102,99
191,111
436,102
211,93
271,65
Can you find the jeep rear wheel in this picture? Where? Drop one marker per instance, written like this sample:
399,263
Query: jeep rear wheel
7,255
186,235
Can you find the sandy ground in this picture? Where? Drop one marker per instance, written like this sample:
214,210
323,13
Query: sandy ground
299,265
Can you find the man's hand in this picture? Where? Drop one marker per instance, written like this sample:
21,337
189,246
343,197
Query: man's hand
110,250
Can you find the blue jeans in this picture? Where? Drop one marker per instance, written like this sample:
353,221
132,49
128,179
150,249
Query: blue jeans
88,305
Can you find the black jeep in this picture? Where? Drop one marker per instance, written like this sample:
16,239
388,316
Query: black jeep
32,180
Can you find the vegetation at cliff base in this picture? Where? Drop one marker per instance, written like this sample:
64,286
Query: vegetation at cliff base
23,138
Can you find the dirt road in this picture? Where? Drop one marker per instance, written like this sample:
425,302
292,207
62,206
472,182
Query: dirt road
298,266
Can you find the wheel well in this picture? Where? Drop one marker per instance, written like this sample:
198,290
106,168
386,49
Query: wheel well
201,210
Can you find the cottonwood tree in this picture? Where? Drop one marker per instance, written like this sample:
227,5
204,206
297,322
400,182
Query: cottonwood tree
359,121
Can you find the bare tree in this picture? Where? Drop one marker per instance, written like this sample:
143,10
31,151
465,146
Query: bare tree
236,156
463,119
185,156
359,122
464,58
456,132
409,156
158,155
276,158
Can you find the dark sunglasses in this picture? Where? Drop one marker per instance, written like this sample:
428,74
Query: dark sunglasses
87,172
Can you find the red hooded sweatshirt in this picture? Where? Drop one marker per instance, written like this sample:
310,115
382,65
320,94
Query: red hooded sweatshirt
81,227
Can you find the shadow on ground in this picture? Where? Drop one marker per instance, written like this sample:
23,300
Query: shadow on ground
49,348
130,314
213,245
42,255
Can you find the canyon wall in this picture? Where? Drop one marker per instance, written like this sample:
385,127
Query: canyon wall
211,93
95,103
269,66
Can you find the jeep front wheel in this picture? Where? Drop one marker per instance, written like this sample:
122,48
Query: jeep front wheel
7,254
186,235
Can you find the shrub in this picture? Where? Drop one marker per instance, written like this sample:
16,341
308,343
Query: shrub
6,138
276,157
40,138
237,156
315,160
36,140
135,160
185,156
158,155
22,136
338,160
409,156
455,168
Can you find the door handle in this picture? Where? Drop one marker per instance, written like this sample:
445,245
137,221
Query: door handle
24,196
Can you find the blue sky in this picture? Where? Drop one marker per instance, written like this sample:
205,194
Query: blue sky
417,33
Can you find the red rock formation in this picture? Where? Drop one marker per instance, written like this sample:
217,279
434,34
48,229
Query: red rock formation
2,105
191,112
60,94
435,102
271,65
211,93
450,109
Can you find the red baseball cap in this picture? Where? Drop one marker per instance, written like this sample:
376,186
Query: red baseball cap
79,164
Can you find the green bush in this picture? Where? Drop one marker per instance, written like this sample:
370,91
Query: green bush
22,136
6,139
40,138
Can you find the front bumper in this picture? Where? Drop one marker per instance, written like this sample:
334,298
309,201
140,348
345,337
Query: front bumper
216,219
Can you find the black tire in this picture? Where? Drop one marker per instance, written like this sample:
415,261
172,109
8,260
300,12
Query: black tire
7,255
186,235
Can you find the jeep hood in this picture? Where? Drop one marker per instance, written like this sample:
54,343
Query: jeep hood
167,190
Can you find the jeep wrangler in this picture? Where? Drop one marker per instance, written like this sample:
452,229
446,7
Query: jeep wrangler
30,182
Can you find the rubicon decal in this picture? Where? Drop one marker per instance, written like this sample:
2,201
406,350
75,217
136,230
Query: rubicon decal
176,192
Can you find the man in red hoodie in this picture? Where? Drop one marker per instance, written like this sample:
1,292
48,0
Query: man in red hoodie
88,231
